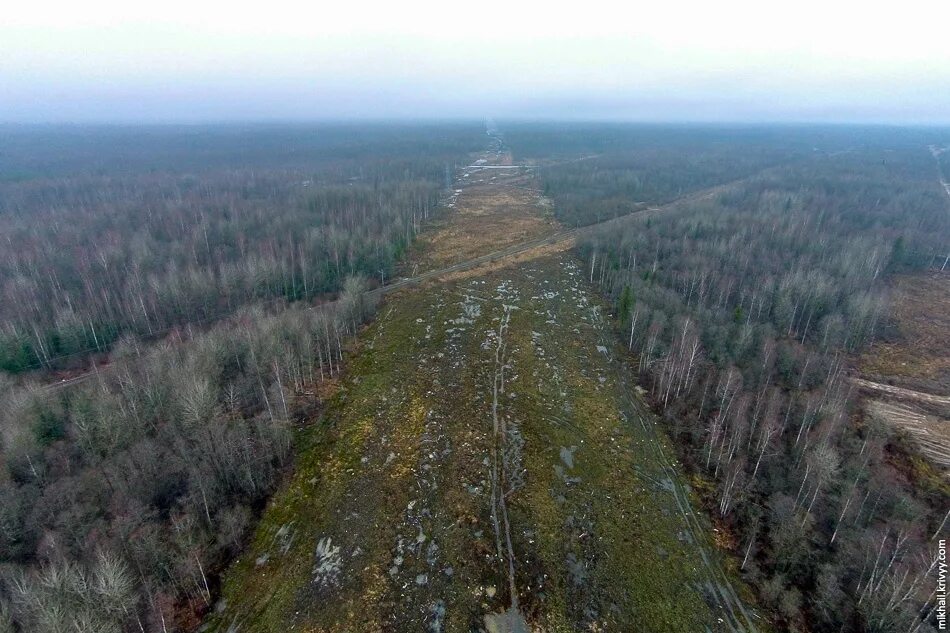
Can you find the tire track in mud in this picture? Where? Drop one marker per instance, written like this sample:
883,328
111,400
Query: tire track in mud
738,619
722,589
498,493
502,486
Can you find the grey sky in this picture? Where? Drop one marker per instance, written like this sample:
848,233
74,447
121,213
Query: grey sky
730,60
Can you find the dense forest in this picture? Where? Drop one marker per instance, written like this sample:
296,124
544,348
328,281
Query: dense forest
743,310
124,495
623,168
598,171
115,231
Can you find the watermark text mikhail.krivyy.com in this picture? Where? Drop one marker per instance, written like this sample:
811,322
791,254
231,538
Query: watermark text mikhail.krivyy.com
941,609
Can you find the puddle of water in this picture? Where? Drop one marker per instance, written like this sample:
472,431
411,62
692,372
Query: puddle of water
510,621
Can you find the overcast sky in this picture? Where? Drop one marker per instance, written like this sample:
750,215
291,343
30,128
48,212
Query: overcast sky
722,60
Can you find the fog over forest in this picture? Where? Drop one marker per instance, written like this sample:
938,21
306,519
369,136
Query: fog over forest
732,61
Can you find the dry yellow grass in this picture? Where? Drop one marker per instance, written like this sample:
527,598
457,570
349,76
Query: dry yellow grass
508,261
486,218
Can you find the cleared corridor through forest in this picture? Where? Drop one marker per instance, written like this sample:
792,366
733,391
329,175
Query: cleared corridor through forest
484,464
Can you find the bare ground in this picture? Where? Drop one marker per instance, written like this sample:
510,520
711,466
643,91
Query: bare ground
919,358
907,379
490,212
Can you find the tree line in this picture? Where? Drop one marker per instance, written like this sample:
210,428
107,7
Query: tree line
743,311
90,255
123,497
